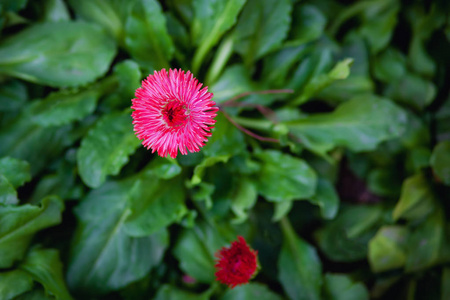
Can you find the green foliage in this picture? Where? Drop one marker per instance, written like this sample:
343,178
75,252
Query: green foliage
330,153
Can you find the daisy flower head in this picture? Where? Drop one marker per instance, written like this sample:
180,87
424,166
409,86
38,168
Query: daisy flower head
173,112
236,264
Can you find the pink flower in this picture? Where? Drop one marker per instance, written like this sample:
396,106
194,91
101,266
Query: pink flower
237,264
172,112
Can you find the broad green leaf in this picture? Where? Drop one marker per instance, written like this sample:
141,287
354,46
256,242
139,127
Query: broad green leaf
211,20
15,170
45,267
416,199
78,54
36,294
14,283
390,65
13,95
37,145
14,5
18,224
359,124
8,194
235,80
308,24
440,161
326,198
425,243
169,292
103,257
387,248
195,251
345,238
154,204
61,108
55,11
128,76
207,162
251,291
283,177
163,167
341,287
106,148
226,139
147,39
272,19
340,71
299,266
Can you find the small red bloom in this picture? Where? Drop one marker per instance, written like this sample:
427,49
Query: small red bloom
237,264
172,112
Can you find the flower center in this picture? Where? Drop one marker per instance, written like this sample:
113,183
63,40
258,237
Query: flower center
175,113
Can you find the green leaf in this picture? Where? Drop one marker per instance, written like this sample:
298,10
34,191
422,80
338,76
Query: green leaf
445,290
163,167
272,19
387,248
207,162
440,161
36,294
390,65
55,11
45,267
326,198
169,292
65,107
359,124
299,266
308,24
211,20
15,170
244,197
226,139
235,80
14,283
283,177
79,53
345,238
20,223
13,95
8,194
14,5
154,204
103,257
106,148
341,287
147,39
416,199
425,243
340,71
251,291
129,77
195,251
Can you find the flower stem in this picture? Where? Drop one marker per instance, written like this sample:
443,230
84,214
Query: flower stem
248,132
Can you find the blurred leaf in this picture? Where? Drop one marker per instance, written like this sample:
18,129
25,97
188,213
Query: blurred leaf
14,5
340,71
425,242
251,291
211,20
20,223
416,199
387,248
103,257
55,10
440,161
169,292
36,294
283,177
341,287
128,76
226,139
14,283
45,267
13,95
244,197
326,198
345,238
61,108
272,19
359,124
384,182
390,65
78,54
195,251
154,204
147,38
308,24
163,167
207,162
299,266
8,194
15,170
445,287
234,81
106,148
